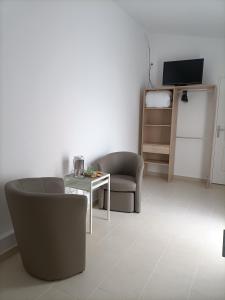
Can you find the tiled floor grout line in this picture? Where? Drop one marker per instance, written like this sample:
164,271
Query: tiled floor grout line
154,269
45,292
66,293
115,265
196,272
193,280
108,233
187,208
117,261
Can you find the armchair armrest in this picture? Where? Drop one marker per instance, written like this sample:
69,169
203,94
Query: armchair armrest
140,168
139,176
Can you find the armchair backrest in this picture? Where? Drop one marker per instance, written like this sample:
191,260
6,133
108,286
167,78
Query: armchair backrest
38,185
123,163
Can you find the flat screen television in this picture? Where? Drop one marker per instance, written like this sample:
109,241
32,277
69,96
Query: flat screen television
183,72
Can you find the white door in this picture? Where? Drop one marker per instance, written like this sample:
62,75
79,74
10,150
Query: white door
218,175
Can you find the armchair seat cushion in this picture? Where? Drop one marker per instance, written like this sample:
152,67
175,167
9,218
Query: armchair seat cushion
122,183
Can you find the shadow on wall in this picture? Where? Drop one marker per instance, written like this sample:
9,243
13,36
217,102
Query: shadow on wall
5,220
141,104
65,165
208,134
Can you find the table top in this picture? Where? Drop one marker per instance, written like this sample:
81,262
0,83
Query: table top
84,182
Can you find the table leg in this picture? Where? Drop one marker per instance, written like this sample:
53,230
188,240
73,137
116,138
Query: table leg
90,216
108,199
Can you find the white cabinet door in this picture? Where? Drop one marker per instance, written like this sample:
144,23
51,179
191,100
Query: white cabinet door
218,175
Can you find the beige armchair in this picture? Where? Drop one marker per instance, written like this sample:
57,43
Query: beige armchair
50,227
126,169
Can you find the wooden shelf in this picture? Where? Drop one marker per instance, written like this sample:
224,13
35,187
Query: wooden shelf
154,161
157,125
159,108
192,87
156,148
196,87
161,88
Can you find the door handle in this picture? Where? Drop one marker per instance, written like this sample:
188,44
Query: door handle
219,129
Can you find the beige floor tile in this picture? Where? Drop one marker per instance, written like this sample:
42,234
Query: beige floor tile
82,285
130,275
209,282
99,294
54,294
174,274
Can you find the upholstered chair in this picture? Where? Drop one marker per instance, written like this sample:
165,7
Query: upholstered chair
126,169
50,227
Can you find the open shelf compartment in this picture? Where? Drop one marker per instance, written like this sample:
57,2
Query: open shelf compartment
156,158
157,117
156,134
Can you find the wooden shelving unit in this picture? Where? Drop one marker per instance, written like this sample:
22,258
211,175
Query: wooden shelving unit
158,132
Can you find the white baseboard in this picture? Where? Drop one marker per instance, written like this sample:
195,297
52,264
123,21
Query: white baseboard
187,178
7,242
179,177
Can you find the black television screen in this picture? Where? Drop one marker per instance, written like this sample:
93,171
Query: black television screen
182,72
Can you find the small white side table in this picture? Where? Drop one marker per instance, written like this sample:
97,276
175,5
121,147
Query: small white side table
89,184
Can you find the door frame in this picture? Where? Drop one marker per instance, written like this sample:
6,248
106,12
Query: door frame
216,116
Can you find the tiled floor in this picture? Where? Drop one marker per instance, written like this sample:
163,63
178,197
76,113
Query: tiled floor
172,250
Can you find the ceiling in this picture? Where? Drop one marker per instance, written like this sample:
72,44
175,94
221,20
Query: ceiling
185,17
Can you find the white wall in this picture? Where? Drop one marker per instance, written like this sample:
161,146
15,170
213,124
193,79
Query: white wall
194,118
71,75
169,47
